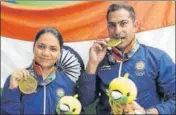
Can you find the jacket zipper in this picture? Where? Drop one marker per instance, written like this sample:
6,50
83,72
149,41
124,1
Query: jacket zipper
44,100
120,68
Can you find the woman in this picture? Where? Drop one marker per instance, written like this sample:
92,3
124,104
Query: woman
51,84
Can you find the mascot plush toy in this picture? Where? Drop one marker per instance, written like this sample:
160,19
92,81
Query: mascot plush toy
121,92
68,105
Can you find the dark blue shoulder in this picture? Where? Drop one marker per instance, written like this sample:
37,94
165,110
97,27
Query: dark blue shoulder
153,52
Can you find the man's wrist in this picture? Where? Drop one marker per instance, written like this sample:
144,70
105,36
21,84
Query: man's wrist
91,68
148,112
152,111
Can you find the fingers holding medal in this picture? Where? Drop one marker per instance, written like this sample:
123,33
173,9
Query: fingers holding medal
28,85
22,79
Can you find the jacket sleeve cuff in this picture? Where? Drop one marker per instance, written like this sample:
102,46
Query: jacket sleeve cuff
160,109
166,108
88,78
87,81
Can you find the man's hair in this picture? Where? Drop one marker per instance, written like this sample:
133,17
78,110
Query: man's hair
115,7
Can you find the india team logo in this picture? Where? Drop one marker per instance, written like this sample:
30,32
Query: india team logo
140,66
60,92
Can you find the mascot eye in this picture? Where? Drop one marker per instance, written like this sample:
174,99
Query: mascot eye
64,107
74,110
128,94
116,95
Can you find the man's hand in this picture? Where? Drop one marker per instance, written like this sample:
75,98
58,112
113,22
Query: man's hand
96,54
137,109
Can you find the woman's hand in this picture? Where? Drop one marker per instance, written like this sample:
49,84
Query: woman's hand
16,76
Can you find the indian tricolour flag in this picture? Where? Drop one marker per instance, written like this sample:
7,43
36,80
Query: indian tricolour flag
80,23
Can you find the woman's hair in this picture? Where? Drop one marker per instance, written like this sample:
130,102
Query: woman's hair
51,30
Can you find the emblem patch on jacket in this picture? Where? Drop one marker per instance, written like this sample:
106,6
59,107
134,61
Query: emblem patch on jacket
60,92
140,67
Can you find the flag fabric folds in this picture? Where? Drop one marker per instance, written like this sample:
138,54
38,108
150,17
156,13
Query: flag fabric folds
80,24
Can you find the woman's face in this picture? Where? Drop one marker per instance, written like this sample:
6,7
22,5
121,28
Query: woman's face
46,50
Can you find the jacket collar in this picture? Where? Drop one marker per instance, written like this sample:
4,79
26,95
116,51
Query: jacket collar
36,71
127,53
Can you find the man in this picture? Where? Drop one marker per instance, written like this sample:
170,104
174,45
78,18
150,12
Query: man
151,69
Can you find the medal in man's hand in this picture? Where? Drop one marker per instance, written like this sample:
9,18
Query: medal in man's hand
113,43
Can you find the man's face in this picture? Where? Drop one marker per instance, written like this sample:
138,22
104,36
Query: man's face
121,24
